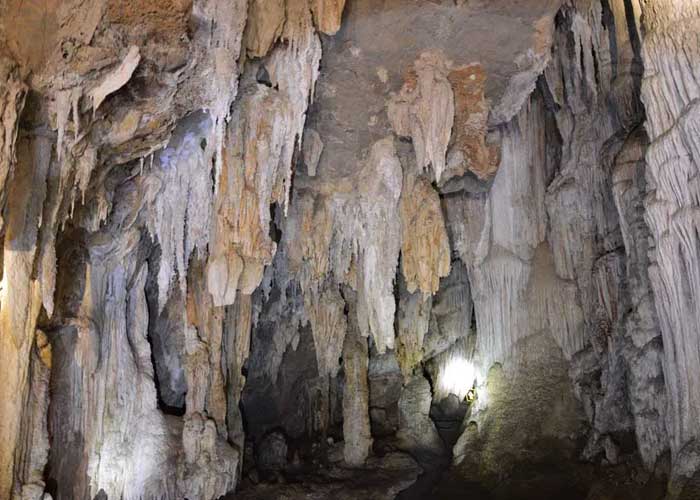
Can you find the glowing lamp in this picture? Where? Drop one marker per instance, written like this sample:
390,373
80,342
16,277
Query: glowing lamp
458,377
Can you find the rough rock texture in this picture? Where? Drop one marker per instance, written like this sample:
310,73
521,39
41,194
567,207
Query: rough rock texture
132,200
257,241
356,427
470,150
417,432
424,111
538,407
425,251
554,253
669,94
380,479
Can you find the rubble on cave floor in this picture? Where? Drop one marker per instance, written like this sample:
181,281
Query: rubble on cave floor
326,476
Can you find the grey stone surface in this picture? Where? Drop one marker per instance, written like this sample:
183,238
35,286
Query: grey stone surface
315,225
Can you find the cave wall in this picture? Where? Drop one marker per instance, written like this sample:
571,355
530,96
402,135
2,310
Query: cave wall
222,219
669,47
558,221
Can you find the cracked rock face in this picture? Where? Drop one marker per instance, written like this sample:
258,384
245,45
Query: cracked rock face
348,248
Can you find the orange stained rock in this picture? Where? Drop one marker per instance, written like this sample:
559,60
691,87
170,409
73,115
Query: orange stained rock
470,124
425,248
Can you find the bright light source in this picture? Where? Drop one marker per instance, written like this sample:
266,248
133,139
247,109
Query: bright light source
458,376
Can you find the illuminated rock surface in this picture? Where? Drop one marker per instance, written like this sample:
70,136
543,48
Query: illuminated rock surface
349,249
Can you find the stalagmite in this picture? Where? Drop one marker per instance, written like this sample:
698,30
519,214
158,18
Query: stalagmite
35,435
21,297
330,249
356,427
416,430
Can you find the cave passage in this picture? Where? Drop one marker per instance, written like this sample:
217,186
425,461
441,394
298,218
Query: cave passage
349,249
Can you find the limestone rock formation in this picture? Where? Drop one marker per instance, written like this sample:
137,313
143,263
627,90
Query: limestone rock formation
470,150
356,426
425,249
424,110
417,432
256,247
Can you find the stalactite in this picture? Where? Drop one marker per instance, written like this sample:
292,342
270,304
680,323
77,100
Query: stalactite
180,202
328,325
465,212
516,223
425,249
424,111
12,97
470,150
413,319
669,93
451,312
265,22
251,180
374,242
556,260
327,15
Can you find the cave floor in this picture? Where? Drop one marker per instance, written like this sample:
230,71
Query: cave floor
325,477
396,475
571,481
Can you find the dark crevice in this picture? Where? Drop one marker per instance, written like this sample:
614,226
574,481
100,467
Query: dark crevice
633,33
608,21
263,77
275,232
156,322
596,69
